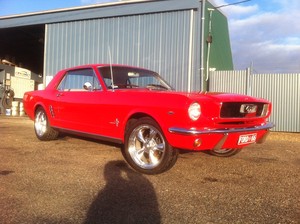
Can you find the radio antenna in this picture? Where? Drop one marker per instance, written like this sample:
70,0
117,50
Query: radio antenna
111,70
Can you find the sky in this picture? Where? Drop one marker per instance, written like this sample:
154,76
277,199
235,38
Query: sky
263,33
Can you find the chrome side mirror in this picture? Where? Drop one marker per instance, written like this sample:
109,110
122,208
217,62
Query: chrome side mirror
88,86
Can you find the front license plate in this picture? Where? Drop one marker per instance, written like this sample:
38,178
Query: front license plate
247,139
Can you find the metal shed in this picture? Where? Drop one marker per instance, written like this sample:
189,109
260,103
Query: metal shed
168,36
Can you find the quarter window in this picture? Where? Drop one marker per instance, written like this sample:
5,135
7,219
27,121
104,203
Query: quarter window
74,80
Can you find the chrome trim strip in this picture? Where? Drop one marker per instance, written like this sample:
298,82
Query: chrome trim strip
51,111
184,131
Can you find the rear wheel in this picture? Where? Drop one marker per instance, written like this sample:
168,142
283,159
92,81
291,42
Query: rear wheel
224,152
42,128
146,149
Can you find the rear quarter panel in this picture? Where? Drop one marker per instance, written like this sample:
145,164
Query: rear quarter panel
33,100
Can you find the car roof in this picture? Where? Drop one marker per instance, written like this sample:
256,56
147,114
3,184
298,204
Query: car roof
101,65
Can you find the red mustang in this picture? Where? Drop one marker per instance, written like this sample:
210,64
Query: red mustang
137,108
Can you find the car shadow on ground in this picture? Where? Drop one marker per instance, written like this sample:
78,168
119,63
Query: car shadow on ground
128,197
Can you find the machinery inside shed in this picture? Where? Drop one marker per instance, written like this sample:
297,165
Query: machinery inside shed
21,62
23,46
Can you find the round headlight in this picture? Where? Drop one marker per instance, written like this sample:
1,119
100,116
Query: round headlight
194,111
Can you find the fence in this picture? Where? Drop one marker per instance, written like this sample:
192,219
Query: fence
283,90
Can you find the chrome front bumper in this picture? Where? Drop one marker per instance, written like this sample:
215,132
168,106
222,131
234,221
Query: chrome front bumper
184,131
225,132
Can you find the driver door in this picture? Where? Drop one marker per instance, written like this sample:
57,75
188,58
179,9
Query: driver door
78,107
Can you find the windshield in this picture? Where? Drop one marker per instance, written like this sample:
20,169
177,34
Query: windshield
126,77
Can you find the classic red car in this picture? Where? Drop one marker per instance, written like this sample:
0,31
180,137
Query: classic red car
138,109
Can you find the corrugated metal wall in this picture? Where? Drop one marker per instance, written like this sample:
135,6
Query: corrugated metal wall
163,42
228,81
283,90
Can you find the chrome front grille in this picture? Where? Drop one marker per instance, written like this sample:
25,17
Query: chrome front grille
240,109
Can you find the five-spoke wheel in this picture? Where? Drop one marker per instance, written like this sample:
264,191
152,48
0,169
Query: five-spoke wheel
42,128
146,149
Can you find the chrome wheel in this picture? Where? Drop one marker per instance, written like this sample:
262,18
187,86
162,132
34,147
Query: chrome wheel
146,146
146,149
42,127
40,123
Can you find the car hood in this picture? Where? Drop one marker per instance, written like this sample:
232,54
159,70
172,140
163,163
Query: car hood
221,97
216,97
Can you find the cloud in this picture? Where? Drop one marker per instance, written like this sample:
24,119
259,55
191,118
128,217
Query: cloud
288,5
267,34
234,10
269,57
271,26
240,10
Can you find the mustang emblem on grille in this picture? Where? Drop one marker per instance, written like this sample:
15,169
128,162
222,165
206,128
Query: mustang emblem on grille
248,108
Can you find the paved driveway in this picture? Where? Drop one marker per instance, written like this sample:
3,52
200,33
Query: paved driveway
74,180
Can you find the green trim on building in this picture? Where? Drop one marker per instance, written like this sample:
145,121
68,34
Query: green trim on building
217,48
220,49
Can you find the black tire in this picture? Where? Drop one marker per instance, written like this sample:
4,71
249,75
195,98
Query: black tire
224,152
42,128
146,149
8,99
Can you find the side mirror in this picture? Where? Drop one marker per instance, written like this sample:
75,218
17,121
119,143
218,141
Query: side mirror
88,86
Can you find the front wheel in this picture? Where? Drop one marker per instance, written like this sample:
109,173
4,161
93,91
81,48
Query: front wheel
42,128
224,152
146,149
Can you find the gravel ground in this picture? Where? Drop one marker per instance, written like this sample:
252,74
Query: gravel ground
75,180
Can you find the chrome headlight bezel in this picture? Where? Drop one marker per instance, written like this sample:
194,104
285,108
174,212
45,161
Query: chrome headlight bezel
194,111
266,109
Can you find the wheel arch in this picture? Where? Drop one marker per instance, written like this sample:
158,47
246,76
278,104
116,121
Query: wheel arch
137,115
38,106
42,106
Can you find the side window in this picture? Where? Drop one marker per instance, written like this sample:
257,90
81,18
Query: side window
74,80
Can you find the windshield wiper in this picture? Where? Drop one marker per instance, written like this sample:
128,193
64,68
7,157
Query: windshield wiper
157,86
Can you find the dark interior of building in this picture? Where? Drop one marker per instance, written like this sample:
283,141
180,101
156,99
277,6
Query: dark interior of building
23,46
